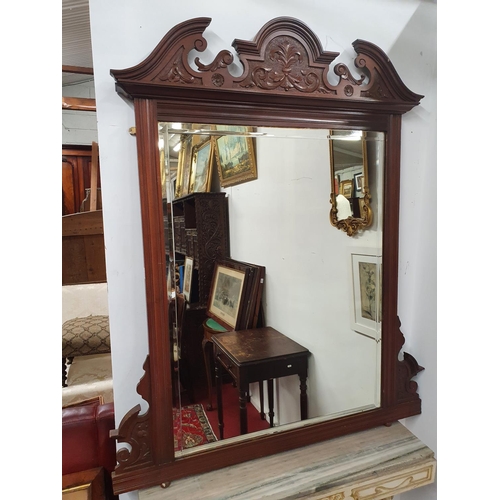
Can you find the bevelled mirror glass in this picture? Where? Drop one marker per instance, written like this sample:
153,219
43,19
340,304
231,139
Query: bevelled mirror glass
278,218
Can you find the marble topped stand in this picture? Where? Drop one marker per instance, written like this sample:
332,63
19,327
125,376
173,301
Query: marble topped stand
370,465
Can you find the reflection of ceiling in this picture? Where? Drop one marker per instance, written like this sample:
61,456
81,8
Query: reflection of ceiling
76,41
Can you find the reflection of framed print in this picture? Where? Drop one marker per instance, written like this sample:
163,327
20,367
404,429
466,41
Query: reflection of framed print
184,167
235,156
201,168
225,301
346,188
366,292
188,277
358,181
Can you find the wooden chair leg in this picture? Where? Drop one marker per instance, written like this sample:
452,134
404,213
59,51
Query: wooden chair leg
64,373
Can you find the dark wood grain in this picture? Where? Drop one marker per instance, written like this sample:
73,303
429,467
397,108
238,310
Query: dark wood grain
83,250
256,344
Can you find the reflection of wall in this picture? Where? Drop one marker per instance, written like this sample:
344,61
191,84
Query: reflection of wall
79,127
395,27
281,221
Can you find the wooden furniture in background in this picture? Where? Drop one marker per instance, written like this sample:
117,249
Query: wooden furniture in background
83,254
254,356
201,231
84,485
76,177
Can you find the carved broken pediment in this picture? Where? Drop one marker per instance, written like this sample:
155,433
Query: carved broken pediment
285,58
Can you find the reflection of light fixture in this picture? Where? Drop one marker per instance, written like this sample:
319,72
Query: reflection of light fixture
177,147
161,143
176,125
353,135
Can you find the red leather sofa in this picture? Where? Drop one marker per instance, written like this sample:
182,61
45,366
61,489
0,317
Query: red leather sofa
85,440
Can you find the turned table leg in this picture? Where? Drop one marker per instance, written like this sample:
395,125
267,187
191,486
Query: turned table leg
207,348
218,383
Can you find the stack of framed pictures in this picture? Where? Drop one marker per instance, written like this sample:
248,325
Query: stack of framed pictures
236,294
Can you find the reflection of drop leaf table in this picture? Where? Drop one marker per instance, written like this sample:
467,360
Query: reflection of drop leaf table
256,355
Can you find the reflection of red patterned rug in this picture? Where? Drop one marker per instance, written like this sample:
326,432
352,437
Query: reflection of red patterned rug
191,427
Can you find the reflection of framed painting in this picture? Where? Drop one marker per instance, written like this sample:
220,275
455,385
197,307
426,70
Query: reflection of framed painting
184,167
225,301
346,188
235,156
366,292
188,277
201,168
358,181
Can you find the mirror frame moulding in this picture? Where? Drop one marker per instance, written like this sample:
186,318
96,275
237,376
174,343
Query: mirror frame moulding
284,83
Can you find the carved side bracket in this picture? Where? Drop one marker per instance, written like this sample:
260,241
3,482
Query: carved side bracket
134,429
407,368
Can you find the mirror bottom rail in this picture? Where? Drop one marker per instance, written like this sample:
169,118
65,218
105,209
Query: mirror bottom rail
228,454
370,465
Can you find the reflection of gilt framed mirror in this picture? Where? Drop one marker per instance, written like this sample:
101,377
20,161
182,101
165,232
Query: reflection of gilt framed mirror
352,156
285,97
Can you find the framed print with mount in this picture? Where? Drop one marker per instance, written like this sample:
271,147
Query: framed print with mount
366,304
358,181
188,277
225,304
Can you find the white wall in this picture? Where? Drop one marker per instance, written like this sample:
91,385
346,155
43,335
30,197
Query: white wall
79,127
125,31
281,221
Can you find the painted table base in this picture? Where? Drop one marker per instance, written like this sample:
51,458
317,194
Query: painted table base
371,465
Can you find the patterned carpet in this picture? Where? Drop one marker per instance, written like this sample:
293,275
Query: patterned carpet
191,427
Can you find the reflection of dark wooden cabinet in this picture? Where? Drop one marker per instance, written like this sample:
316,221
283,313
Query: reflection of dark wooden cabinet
76,173
200,225
201,231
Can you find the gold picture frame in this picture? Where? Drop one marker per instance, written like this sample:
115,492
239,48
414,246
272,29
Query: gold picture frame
235,155
200,178
184,167
346,188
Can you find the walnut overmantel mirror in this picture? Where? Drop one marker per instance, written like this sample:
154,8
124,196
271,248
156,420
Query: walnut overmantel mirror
335,295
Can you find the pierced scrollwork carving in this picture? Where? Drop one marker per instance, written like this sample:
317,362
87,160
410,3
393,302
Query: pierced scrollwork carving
285,57
222,60
134,430
407,369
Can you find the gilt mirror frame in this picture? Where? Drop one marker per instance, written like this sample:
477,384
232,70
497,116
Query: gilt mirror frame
284,83
351,225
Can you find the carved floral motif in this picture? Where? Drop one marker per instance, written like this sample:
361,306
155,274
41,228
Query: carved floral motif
287,68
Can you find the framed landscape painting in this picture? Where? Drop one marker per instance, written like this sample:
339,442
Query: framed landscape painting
235,155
